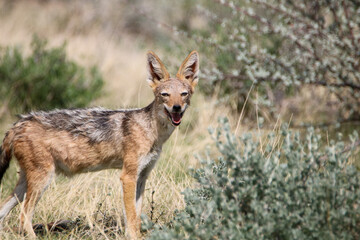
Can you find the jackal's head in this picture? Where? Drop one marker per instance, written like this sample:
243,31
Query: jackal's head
172,95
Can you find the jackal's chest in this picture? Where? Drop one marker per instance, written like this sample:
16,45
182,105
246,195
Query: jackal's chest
148,161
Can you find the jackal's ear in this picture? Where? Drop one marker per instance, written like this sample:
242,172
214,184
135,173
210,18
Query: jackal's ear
189,69
156,71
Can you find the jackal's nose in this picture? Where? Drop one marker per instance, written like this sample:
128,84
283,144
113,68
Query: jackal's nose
176,108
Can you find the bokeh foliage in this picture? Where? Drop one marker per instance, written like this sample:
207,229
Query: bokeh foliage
286,188
45,79
279,47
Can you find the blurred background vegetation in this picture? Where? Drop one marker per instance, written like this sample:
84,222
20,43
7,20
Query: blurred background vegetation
45,80
285,59
263,63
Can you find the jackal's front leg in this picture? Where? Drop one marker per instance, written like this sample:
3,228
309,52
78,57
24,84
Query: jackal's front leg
140,188
129,193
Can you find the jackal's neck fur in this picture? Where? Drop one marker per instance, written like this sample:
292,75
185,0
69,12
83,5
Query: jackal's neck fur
160,126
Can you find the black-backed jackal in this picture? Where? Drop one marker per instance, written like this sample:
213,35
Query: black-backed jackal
85,140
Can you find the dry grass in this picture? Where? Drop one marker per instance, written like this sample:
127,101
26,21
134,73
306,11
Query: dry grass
94,199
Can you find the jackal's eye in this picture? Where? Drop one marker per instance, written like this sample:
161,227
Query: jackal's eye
164,94
184,94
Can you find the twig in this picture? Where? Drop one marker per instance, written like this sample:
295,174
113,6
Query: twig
152,205
343,84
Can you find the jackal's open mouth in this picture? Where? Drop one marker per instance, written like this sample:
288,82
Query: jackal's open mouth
174,117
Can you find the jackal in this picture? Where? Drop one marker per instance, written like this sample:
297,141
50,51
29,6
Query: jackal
86,140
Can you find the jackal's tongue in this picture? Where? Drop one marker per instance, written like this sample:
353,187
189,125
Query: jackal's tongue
176,117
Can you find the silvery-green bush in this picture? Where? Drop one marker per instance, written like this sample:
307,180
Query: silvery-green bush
278,46
292,187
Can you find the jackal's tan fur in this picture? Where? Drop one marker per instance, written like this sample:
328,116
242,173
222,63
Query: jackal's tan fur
84,140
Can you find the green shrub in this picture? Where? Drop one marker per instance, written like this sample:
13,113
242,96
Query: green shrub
292,189
45,79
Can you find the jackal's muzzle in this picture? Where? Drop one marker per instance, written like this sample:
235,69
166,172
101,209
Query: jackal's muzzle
175,115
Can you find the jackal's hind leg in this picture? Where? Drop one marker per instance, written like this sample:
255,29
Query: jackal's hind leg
16,197
37,182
